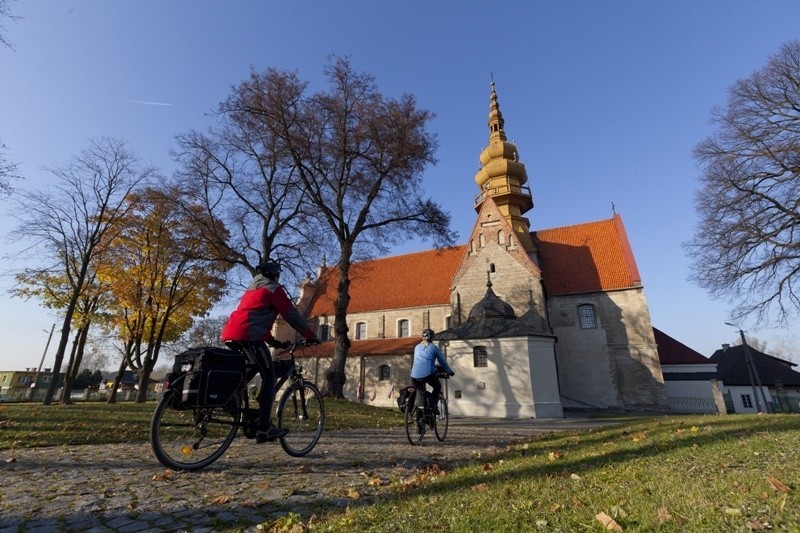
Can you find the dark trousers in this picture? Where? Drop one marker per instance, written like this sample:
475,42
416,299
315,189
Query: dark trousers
431,380
258,354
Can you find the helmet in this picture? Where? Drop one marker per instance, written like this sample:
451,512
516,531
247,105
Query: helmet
428,334
269,268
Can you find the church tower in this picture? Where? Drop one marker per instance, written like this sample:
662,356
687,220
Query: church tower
503,178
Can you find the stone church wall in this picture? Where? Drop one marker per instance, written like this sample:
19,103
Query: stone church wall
614,364
511,282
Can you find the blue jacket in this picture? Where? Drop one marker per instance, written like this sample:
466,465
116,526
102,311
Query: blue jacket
425,358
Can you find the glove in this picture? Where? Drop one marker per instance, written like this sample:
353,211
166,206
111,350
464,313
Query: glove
451,373
275,343
314,342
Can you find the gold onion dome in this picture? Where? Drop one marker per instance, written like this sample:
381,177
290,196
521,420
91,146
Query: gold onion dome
500,158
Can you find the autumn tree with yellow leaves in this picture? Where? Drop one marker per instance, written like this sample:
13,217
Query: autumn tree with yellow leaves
159,275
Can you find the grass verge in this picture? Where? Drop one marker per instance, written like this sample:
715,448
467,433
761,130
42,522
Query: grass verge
674,473
29,425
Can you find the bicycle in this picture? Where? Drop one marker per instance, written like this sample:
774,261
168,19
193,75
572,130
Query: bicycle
418,419
190,437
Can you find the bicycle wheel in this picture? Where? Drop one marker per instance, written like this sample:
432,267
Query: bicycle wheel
415,425
186,438
442,420
302,412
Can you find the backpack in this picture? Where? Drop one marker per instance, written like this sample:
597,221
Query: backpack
406,398
206,376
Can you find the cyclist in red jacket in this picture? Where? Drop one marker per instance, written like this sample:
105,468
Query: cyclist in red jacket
250,327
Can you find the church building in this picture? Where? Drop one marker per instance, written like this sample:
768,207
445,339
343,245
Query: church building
531,321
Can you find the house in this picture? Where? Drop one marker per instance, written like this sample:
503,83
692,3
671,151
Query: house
532,321
691,380
773,387
17,384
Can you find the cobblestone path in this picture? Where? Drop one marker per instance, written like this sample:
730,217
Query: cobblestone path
122,487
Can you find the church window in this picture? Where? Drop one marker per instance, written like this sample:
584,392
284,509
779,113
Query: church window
324,332
480,240
480,357
361,330
403,328
587,316
384,373
501,237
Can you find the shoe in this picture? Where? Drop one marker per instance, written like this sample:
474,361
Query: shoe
272,433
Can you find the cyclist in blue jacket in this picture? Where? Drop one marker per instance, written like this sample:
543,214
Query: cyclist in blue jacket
423,370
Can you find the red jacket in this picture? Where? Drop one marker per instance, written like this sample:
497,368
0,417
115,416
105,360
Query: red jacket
260,305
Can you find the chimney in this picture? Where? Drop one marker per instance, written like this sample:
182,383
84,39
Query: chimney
725,347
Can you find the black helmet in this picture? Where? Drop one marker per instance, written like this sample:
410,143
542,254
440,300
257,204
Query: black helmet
269,268
428,334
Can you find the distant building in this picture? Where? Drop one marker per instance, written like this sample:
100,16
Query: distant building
780,383
16,384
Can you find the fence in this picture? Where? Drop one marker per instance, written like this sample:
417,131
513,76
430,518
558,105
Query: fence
692,405
89,395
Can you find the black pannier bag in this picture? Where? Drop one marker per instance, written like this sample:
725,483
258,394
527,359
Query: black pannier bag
212,376
406,398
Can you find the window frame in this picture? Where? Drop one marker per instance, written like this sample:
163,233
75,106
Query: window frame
582,316
360,325
480,357
407,323
384,372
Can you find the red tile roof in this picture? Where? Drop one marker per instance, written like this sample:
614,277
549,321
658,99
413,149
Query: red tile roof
590,257
366,348
673,352
400,281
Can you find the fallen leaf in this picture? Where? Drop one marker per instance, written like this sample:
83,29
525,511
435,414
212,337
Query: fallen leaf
305,469
575,477
639,437
11,460
221,500
487,467
164,476
353,494
694,429
262,485
733,511
480,487
608,522
555,507
754,525
555,455
777,485
664,515
375,481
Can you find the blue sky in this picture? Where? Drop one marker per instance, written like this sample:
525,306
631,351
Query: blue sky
604,100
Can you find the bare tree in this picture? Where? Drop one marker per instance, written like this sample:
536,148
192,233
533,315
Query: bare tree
240,171
5,13
68,221
747,243
8,171
359,156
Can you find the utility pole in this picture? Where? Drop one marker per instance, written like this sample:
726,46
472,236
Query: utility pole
32,389
752,373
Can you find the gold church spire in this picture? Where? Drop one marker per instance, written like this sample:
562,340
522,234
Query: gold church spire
503,177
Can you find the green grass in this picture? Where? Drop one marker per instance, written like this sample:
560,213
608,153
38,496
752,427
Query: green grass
677,473
28,425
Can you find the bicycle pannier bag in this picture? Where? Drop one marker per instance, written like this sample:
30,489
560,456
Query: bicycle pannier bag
406,398
212,375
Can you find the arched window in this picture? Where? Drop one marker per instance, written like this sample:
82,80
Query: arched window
384,373
586,316
361,330
403,328
480,357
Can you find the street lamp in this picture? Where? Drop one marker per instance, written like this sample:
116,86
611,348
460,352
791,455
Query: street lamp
752,371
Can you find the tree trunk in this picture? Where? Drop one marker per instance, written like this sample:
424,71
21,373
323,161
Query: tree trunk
113,396
62,346
336,377
71,372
